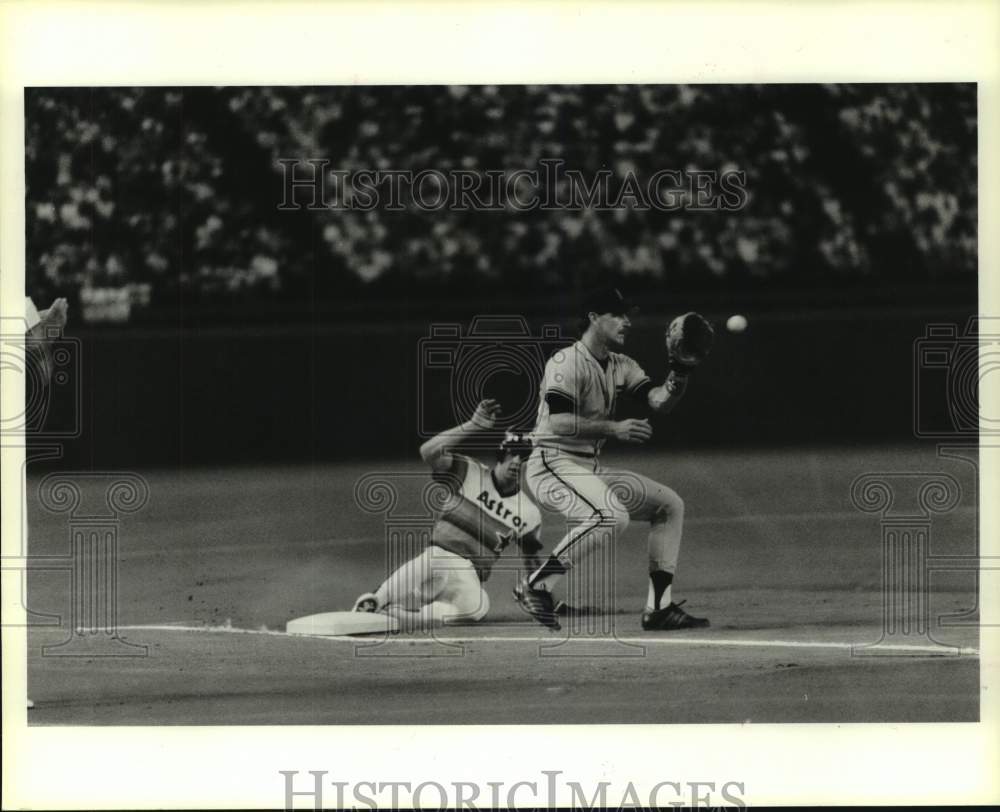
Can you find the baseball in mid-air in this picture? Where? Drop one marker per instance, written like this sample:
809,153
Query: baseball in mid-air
736,324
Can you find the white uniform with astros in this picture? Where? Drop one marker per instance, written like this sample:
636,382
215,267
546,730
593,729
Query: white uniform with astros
564,472
476,524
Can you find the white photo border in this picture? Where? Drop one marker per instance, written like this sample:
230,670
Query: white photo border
257,43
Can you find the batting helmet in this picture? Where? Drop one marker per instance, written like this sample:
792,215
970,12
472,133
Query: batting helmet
517,443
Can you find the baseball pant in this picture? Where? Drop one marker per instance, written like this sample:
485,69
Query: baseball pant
598,503
437,586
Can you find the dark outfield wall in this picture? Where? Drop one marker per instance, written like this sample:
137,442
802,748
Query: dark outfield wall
217,396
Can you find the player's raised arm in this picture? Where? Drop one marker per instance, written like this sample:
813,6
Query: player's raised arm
689,339
436,452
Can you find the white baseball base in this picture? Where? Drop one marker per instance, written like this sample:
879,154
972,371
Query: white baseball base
334,624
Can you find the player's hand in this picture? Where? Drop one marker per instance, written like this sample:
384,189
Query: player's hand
51,320
632,430
689,340
486,414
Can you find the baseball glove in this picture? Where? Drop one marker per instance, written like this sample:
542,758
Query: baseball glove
689,340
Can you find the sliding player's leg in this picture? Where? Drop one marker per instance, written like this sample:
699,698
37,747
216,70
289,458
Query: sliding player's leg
463,594
436,587
403,588
453,594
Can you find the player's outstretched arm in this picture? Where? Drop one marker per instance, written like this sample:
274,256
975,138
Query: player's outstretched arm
436,452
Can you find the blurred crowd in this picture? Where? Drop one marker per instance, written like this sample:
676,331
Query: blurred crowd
174,192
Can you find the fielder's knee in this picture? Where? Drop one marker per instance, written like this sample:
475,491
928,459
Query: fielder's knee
671,507
599,528
616,519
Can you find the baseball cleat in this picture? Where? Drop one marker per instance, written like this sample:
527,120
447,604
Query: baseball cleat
563,609
670,618
537,603
366,603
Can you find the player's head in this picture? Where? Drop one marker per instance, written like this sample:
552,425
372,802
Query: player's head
514,444
513,450
608,314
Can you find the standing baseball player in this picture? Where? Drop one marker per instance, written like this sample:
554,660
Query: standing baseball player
486,512
580,389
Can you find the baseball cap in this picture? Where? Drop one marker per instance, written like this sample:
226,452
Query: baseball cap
608,300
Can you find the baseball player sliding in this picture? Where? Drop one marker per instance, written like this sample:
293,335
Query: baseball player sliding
578,394
486,511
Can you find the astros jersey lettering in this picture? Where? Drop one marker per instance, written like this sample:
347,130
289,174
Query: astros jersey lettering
477,522
594,389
